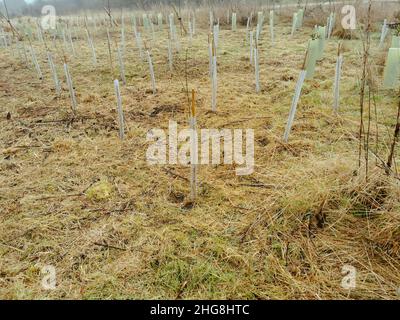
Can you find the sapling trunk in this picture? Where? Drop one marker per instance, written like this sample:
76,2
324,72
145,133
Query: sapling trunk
395,139
119,110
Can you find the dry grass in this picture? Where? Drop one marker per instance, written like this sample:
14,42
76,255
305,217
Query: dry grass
73,196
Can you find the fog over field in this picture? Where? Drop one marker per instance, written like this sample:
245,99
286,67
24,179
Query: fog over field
168,150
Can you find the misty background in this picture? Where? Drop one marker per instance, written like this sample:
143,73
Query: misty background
33,7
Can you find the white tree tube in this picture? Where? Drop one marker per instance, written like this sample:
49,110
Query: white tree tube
214,84
121,65
295,101
64,39
153,79
248,29
54,73
36,64
170,55
71,42
294,24
40,33
70,87
257,69
216,37
383,33
25,55
210,55
193,153
172,26
271,25
123,38
190,32
234,25
160,21
138,38
119,110
336,89
194,23
251,47
91,45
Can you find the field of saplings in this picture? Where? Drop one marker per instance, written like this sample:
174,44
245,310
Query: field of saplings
197,152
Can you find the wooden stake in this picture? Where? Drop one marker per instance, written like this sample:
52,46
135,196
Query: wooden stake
194,149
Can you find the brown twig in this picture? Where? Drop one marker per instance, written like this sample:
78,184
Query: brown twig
395,138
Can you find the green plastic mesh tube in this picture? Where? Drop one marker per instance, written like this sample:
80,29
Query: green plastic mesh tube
395,42
392,69
294,23
321,42
311,61
300,18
